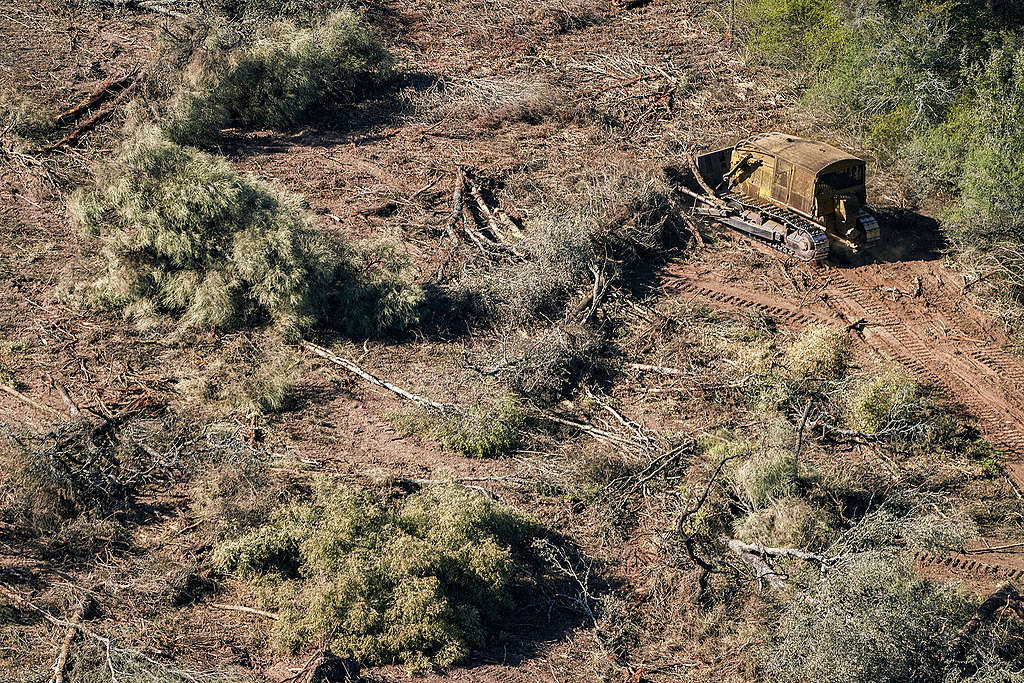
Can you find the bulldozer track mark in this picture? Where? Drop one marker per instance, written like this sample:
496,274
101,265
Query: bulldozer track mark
999,362
964,563
964,386
735,301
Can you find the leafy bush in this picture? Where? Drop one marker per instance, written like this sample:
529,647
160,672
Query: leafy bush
819,352
423,585
871,619
187,235
287,75
480,431
793,29
987,226
789,523
890,399
765,477
615,221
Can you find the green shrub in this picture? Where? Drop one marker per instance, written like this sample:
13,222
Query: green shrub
987,226
186,235
819,352
422,585
870,620
788,523
287,75
885,400
765,477
480,431
808,31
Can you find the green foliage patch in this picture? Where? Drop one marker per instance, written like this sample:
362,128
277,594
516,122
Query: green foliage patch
186,235
422,584
288,74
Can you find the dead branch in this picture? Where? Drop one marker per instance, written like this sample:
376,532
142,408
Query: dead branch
358,371
151,6
31,402
659,369
692,163
247,610
708,565
641,436
62,656
757,557
66,397
100,114
458,185
595,432
108,647
1006,597
98,94
485,211
510,224
762,570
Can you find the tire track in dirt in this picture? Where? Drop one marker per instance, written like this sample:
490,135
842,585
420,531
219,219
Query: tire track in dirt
738,298
963,564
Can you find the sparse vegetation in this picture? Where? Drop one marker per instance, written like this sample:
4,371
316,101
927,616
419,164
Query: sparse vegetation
424,585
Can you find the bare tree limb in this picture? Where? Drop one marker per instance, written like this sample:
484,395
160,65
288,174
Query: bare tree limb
358,371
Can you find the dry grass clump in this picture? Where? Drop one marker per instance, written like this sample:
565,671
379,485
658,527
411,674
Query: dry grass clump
482,430
286,75
23,121
492,103
765,476
422,585
788,523
819,352
186,235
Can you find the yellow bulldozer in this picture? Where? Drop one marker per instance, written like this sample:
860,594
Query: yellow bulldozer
798,196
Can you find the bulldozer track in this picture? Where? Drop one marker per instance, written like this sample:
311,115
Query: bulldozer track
965,564
894,338
1000,362
987,382
791,315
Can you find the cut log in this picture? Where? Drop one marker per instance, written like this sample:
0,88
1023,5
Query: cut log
98,94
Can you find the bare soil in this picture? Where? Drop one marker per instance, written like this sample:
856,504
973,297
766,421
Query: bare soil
619,84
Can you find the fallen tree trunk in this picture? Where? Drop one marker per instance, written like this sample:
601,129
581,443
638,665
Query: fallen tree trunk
98,94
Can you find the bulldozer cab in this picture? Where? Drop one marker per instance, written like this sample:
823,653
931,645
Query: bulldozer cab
813,179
